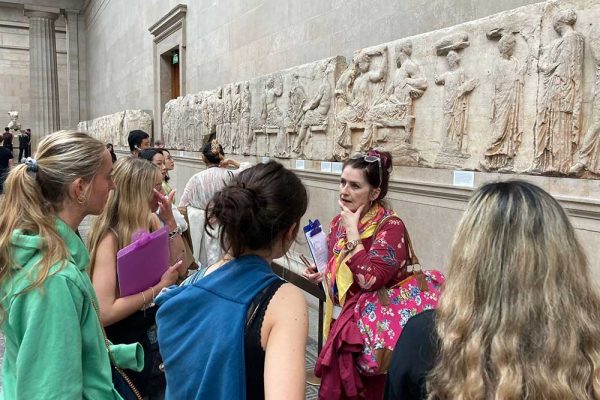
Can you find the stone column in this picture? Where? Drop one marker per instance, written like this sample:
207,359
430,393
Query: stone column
45,114
72,18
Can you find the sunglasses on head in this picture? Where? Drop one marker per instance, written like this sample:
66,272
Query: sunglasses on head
370,159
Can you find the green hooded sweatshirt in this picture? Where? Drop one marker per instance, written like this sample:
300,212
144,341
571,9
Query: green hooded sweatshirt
55,347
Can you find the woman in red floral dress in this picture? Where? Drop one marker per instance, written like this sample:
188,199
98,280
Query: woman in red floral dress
367,251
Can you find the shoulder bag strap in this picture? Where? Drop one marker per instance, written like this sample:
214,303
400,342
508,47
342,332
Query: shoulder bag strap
129,382
411,256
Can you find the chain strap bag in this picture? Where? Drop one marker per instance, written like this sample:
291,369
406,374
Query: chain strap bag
122,383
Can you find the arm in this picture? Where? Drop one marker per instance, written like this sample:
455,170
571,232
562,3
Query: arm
47,325
188,192
112,307
440,79
314,103
416,77
413,358
285,328
375,268
176,246
377,76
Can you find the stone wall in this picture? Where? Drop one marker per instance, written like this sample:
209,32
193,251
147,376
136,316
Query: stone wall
238,40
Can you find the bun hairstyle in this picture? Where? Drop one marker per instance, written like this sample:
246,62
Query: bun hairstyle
213,152
371,170
258,205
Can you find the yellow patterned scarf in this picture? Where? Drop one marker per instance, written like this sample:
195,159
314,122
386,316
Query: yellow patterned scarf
338,276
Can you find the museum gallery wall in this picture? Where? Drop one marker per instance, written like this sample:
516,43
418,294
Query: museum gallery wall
516,94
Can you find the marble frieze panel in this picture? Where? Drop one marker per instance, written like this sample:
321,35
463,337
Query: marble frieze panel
516,92
114,128
288,114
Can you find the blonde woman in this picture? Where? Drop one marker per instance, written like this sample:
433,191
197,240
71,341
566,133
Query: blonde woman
519,315
130,208
54,342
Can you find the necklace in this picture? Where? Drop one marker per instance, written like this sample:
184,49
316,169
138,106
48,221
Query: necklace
218,264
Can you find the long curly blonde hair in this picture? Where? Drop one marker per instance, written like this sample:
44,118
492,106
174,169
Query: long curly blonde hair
519,315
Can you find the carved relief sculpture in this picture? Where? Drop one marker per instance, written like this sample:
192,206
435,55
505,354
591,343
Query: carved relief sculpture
225,138
132,120
246,136
192,133
205,127
507,106
236,108
217,110
296,102
588,157
272,115
457,88
359,86
314,113
395,108
558,126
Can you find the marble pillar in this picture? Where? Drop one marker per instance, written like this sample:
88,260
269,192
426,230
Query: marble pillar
72,18
45,115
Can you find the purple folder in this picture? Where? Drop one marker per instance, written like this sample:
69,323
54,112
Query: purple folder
142,263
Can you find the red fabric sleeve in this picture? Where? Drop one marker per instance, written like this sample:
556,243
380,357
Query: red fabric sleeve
384,260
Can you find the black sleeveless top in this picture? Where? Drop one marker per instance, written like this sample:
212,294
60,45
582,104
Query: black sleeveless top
254,355
140,327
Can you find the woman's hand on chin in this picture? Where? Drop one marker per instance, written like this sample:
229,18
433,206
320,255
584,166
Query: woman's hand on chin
349,219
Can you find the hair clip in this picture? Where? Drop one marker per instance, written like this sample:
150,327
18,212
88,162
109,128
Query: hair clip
31,163
215,146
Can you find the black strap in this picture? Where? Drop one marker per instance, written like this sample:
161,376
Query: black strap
258,300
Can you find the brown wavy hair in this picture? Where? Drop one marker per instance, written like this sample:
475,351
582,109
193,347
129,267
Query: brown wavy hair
519,315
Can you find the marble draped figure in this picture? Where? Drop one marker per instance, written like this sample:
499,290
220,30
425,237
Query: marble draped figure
457,87
588,157
395,108
314,112
359,86
507,107
558,126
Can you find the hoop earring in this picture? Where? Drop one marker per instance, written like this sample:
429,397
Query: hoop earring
81,200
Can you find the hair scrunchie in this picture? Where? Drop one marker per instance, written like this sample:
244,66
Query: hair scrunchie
215,147
384,159
31,163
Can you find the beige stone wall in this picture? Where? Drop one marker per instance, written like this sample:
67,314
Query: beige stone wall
230,41
14,66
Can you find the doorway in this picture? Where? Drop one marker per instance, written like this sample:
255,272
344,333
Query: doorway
175,81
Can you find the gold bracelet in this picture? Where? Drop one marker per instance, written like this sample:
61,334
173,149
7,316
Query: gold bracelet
144,299
153,295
